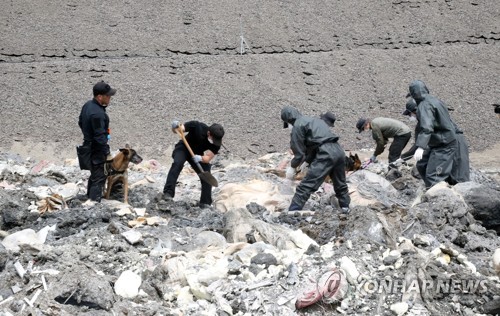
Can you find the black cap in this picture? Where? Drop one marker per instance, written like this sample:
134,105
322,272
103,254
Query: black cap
497,108
360,125
102,88
411,107
329,118
217,132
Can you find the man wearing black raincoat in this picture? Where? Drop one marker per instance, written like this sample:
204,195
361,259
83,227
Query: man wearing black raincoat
437,136
461,169
313,135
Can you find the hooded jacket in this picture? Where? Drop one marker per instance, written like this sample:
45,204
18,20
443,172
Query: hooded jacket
308,134
436,126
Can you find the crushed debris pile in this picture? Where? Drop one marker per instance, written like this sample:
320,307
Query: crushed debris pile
401,250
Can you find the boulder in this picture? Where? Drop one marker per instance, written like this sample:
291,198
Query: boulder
484,204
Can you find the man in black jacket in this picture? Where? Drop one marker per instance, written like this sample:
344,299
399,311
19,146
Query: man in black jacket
94,123
437,136
312,138
205,142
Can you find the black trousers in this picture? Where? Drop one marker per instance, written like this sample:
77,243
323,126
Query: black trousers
329,160
397,146
180,156
409,154
96,182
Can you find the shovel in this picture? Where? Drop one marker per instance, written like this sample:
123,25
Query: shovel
204,175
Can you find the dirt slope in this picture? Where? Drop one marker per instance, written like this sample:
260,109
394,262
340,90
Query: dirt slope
182,60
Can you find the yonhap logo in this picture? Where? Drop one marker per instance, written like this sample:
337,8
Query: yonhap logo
388,285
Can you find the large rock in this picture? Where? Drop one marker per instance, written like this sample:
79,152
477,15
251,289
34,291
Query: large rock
83,287
484,205
13,215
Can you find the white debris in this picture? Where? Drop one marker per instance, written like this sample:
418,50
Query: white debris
392,257
399,308
19,269
132,236
421,240
326,251
349,267
128,284
27,237
496,261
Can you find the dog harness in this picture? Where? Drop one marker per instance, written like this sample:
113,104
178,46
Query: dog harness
109,171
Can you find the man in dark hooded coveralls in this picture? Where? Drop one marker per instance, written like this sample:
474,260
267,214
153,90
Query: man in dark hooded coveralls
437,136
461,169
313,135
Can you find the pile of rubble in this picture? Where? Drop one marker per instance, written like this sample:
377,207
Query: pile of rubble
401,251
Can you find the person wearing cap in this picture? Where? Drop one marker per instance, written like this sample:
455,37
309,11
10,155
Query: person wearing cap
329,118
384,128
437,139
497,109
313,135
94,123
205,142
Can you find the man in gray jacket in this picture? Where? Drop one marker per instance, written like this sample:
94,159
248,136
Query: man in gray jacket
437,134
382,129
313,138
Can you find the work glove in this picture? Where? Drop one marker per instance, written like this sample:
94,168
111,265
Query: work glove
304,167
373,159
419,153
197,158
109,157
175,125
398,162
290,173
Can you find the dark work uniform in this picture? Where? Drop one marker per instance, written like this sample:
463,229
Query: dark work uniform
198,141
94,123
437,134
410,152
461,169
313,138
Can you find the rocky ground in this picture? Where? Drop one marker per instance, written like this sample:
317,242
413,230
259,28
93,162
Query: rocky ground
399,251
184,60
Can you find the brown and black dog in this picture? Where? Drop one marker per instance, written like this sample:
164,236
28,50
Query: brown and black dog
352,163
117,170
